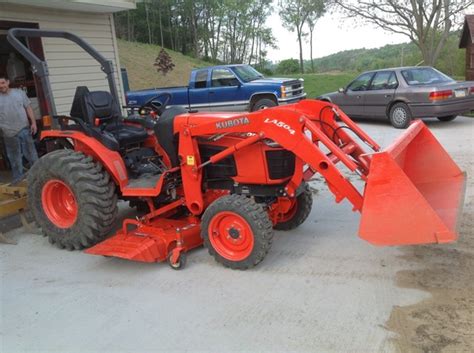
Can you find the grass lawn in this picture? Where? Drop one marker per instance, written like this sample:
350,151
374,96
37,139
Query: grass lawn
317,84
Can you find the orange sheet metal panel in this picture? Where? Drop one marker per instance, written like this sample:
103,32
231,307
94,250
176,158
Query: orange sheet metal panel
414,192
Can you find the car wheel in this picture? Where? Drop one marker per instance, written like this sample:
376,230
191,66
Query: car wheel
263,104
400,116
447,118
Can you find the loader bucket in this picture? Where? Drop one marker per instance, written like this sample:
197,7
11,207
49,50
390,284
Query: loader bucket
414,192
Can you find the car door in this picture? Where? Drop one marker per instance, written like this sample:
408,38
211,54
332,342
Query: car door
199,91
352,101
224,90
380,93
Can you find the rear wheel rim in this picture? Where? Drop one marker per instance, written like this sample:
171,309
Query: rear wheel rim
59,203
399,115
231,236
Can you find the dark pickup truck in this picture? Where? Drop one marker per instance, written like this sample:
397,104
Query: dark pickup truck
226,88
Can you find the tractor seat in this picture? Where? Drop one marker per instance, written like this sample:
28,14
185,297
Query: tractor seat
99,110
164,132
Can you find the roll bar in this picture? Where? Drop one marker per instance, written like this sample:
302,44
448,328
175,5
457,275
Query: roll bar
40,67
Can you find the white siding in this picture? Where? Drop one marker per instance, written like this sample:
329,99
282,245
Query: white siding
69,66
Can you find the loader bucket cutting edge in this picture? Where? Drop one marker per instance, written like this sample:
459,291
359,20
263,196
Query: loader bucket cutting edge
414,192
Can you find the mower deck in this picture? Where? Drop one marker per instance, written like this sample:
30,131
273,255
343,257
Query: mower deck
152,242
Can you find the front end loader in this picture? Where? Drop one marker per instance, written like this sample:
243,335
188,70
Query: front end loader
227,180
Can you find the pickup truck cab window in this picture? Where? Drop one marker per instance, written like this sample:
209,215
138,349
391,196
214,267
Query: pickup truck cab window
384,80
223,78
201,79
361,83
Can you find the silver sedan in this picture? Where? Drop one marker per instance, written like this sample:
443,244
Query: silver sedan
404,93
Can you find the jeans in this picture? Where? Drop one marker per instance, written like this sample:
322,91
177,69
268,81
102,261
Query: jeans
18,146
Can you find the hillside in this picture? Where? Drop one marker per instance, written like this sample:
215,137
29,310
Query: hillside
138,59
451,60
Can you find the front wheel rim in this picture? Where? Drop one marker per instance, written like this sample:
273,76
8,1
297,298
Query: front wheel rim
288,216
59,203
231,236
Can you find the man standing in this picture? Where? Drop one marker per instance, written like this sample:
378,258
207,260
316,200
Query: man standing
15,110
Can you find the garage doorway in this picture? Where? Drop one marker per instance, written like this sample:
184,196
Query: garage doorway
21,76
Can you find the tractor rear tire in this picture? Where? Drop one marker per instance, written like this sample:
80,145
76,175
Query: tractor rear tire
237,231
72,199
299,212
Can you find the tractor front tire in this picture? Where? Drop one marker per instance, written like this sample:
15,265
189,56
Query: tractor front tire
237,231
72,199
298,212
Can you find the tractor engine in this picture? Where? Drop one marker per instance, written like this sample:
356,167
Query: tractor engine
142,160
262,169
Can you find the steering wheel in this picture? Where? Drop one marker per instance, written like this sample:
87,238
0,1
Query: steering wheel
150,104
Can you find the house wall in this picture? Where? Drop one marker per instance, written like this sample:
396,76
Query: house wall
470,60
68,64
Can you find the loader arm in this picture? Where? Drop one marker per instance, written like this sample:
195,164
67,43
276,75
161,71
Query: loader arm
296,131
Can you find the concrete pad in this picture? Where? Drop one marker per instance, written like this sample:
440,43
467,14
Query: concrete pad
320,289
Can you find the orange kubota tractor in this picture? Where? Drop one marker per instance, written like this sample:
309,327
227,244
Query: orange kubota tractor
226,180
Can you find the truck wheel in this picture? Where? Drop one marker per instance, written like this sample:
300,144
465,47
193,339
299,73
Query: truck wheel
237,231
400,115
298,213
263,103
72,199
447,118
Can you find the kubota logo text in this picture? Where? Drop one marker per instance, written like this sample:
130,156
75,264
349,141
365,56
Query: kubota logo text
280,124
232,122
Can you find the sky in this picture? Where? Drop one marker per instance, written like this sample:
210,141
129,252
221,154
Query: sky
331,35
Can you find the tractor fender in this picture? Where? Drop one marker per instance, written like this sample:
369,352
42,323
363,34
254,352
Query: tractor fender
111,160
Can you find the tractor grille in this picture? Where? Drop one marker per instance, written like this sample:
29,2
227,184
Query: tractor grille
280,164
225,168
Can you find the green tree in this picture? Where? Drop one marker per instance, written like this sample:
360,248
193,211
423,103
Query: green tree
288,66
232,31
318,11
294,14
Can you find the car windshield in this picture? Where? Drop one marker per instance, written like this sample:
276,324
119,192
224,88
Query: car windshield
247,73
424,76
